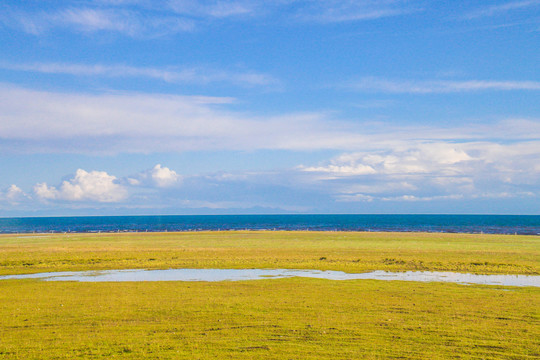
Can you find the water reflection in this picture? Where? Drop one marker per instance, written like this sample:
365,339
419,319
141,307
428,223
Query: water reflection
258,274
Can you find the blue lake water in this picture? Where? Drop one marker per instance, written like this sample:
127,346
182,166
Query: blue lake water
260,274
493,224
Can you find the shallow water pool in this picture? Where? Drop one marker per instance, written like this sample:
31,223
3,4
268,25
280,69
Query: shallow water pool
259,274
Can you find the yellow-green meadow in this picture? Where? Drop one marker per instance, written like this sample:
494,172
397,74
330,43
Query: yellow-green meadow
294,318
345,251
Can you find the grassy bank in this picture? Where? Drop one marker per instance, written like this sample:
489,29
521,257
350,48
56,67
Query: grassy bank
346,251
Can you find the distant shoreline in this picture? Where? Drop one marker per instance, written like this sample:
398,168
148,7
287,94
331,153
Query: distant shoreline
126,232
467,224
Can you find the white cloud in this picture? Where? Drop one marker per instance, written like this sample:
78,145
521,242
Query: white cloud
330,11
95,186
45,192
423,198
355,198
377,187
13,195
213,8
323,11
440,86
41,121
426,162
141,123
138,19
431,171
13,192
157,18
501,9
30,24
128,21
421,173
158,176
424,158
163,176
197,75
357,169
103,115
133,182
97,20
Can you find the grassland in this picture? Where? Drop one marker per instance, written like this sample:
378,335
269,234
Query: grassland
346,251
269,319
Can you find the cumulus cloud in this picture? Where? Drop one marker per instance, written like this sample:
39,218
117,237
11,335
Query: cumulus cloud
95,186
13,192
423,173
432,172
159,176
425,158
45,192
13,195
163,176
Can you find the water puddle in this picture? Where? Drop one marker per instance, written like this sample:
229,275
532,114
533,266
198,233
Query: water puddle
259,274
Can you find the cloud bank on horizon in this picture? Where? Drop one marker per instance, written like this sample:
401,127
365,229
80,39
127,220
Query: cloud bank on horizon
215,106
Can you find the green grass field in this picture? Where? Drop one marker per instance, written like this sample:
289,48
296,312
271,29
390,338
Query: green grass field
346,251
269,319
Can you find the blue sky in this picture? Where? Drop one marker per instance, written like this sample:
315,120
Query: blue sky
285,106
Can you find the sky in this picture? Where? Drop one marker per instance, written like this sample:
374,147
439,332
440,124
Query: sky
132,107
